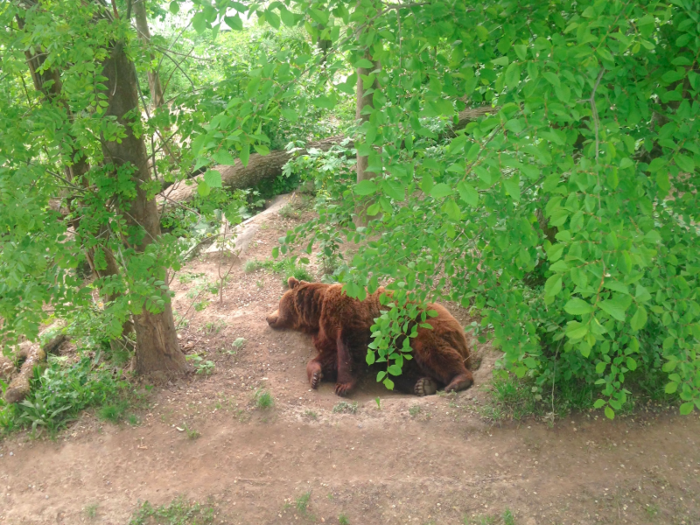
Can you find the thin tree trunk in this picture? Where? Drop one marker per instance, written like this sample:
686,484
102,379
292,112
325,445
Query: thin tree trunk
364,101
145,35
157,347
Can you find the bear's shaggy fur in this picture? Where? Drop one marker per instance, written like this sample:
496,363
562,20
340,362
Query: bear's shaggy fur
340,326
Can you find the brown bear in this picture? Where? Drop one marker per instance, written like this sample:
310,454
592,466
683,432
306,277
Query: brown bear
340,326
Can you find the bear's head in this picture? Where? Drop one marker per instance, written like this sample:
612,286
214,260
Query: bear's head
293,311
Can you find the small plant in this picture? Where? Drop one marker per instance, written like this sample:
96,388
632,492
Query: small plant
201,366
91,511
414,410
253,266
508,518
239,343
343,520
263,399
651,510
479,520
133,420
302,503
178,512
345,408
311,415
114,412
192,434
214,327
379,403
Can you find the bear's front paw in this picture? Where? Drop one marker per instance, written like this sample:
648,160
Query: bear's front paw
425,386
316,379
344,389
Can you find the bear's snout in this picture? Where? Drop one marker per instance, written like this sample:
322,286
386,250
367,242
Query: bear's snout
273,318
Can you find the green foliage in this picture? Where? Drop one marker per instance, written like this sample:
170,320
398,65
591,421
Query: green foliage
593,126
286,267
264,399
201,366
178,512
59,393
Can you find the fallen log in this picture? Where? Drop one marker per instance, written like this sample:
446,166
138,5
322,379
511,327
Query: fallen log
261,168
33,356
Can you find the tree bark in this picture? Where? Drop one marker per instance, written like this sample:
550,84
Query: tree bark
157,347
364,101
261,169
145,35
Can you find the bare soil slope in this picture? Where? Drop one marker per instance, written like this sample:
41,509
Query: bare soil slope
407,461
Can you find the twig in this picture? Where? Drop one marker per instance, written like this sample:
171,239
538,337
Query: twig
596,123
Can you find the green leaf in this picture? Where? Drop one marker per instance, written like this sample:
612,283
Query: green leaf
521,51
576,330
639,319
389,384
578,306
440,190
613,307
686,408
452,210
512,186
272,19
213,178
600,403
290,115
609,413
324,102
174,8
671,388
552,286
364,63
203,188
599,369
262,149
224,157
394,370
631,364
427,184
234,22
245,154
685,163
395,190
199,22
468,194
512,75
365,187
552,79
370,357
288,17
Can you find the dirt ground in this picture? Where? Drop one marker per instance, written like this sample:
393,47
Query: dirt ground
406,460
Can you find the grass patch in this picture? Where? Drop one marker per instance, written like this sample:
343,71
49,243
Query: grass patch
302,503
264,400
178,512
285,267
343,520
91,511
345,408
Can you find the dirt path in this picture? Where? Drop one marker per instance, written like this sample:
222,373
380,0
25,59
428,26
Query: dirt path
430,460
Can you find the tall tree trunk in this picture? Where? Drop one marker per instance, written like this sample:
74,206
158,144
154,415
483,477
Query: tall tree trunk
145,35
157,347
48,82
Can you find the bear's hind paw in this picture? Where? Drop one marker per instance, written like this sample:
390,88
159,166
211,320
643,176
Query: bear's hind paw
425,387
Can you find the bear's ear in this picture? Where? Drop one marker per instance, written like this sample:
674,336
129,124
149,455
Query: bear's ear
292,283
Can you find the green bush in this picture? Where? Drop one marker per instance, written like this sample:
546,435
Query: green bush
59,393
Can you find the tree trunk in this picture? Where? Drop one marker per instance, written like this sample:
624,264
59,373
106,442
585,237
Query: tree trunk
145,35
261,169
157,348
